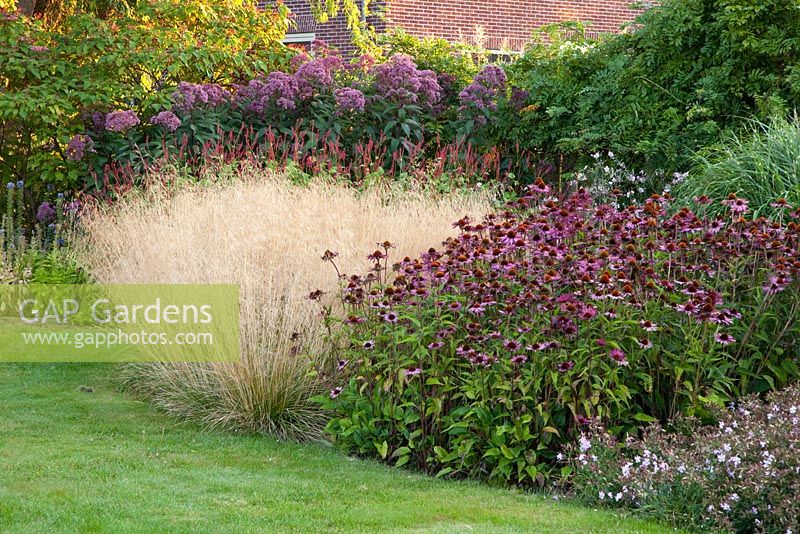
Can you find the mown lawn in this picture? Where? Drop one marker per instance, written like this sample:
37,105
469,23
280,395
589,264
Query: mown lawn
72,461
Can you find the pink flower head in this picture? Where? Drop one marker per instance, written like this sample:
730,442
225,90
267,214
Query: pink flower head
724,338
563,367
167,119
400,81
737,205
119,121
519,359
618,356
349,99
78,146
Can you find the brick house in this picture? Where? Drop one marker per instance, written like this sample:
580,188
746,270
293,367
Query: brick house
494,24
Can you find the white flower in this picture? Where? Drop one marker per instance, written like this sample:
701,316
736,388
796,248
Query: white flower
584,443
602,495
626,469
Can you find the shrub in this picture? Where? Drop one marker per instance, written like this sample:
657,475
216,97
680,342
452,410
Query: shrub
326,116
57,81
684,72
482,358
762,165
267,236
741,475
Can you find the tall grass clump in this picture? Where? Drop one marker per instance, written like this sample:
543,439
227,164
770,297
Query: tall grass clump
267,236
762,165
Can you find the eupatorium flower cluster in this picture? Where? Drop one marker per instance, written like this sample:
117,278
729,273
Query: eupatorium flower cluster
483,92
400,81
120,121
190,96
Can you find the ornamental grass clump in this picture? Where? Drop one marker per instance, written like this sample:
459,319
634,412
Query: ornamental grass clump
267,236
741,474
483,357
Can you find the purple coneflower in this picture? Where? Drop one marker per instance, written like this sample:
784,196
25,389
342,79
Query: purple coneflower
618,356
563,367
648,326
736,205
454,306
413,372
369,344
335,392
519,359
724,338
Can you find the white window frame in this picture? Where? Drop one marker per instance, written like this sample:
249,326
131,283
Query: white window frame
306,37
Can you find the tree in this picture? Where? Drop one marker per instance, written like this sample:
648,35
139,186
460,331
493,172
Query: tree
355,15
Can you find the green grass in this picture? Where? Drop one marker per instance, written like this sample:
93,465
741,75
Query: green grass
72,461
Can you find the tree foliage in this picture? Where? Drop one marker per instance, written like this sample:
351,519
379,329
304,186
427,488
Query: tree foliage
52,78
684,72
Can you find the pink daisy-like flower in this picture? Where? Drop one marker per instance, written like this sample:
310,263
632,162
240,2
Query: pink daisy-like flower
335,392
736,205
649,326
618,356
519,359
563,367
724,338
412,372
644,343
369,344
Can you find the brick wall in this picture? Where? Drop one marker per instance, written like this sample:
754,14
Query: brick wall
504,23
334,32
494,24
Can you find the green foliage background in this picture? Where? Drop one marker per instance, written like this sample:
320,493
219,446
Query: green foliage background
685,72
